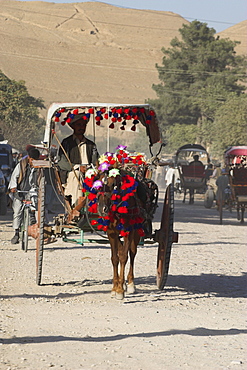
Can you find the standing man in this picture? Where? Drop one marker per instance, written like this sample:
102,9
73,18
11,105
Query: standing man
222,183
22,178
80,151
216,172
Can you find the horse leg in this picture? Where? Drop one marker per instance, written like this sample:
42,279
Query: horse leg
191,196
114,242
184,195
123,257
134,240
242,214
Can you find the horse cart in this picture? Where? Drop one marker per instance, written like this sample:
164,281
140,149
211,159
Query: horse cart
117,198
233,192
191,160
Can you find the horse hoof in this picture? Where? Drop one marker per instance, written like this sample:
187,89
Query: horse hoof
113,294
131,288
119,296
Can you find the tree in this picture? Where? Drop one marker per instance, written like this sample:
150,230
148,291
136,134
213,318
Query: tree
230,124
20,121
197,75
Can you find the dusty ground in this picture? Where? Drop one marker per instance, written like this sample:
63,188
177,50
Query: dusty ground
70,321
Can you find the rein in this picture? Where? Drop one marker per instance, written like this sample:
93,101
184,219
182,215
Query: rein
89,223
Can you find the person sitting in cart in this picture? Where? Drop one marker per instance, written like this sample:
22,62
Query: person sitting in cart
23,178
80,152
196,161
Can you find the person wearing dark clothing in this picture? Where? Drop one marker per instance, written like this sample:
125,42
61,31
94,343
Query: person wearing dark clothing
23,178
196,161
80,152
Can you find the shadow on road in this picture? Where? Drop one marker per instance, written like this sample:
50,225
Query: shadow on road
196,332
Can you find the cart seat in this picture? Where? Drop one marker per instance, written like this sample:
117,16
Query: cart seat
193,171
239,176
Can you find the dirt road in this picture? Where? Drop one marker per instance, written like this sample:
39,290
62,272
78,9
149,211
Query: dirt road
70,321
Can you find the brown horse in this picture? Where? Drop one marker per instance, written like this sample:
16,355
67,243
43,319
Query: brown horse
123,225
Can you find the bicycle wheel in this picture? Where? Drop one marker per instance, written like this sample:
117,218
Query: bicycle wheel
40,224
24,229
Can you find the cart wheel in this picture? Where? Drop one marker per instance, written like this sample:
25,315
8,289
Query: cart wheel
24,230
165,238
40,224
208,198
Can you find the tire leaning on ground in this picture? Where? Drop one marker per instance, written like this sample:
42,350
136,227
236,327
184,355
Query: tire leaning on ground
208,198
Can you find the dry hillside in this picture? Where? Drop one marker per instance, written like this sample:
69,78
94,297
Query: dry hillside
238,32
84,51
88,51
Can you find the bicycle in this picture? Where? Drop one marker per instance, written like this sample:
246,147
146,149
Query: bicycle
27,215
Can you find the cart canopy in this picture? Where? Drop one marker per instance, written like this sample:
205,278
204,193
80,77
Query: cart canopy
191,148
236,151
115,115
236,156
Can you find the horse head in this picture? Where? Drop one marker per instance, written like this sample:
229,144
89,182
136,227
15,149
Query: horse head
104,194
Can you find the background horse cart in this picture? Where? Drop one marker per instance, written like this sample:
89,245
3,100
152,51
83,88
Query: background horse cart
192,175
235,194
111,204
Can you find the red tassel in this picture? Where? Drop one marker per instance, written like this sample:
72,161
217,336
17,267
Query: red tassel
93,208
140,232
122,210
124,233
91,196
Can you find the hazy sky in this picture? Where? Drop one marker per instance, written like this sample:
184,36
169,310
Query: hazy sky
219,14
